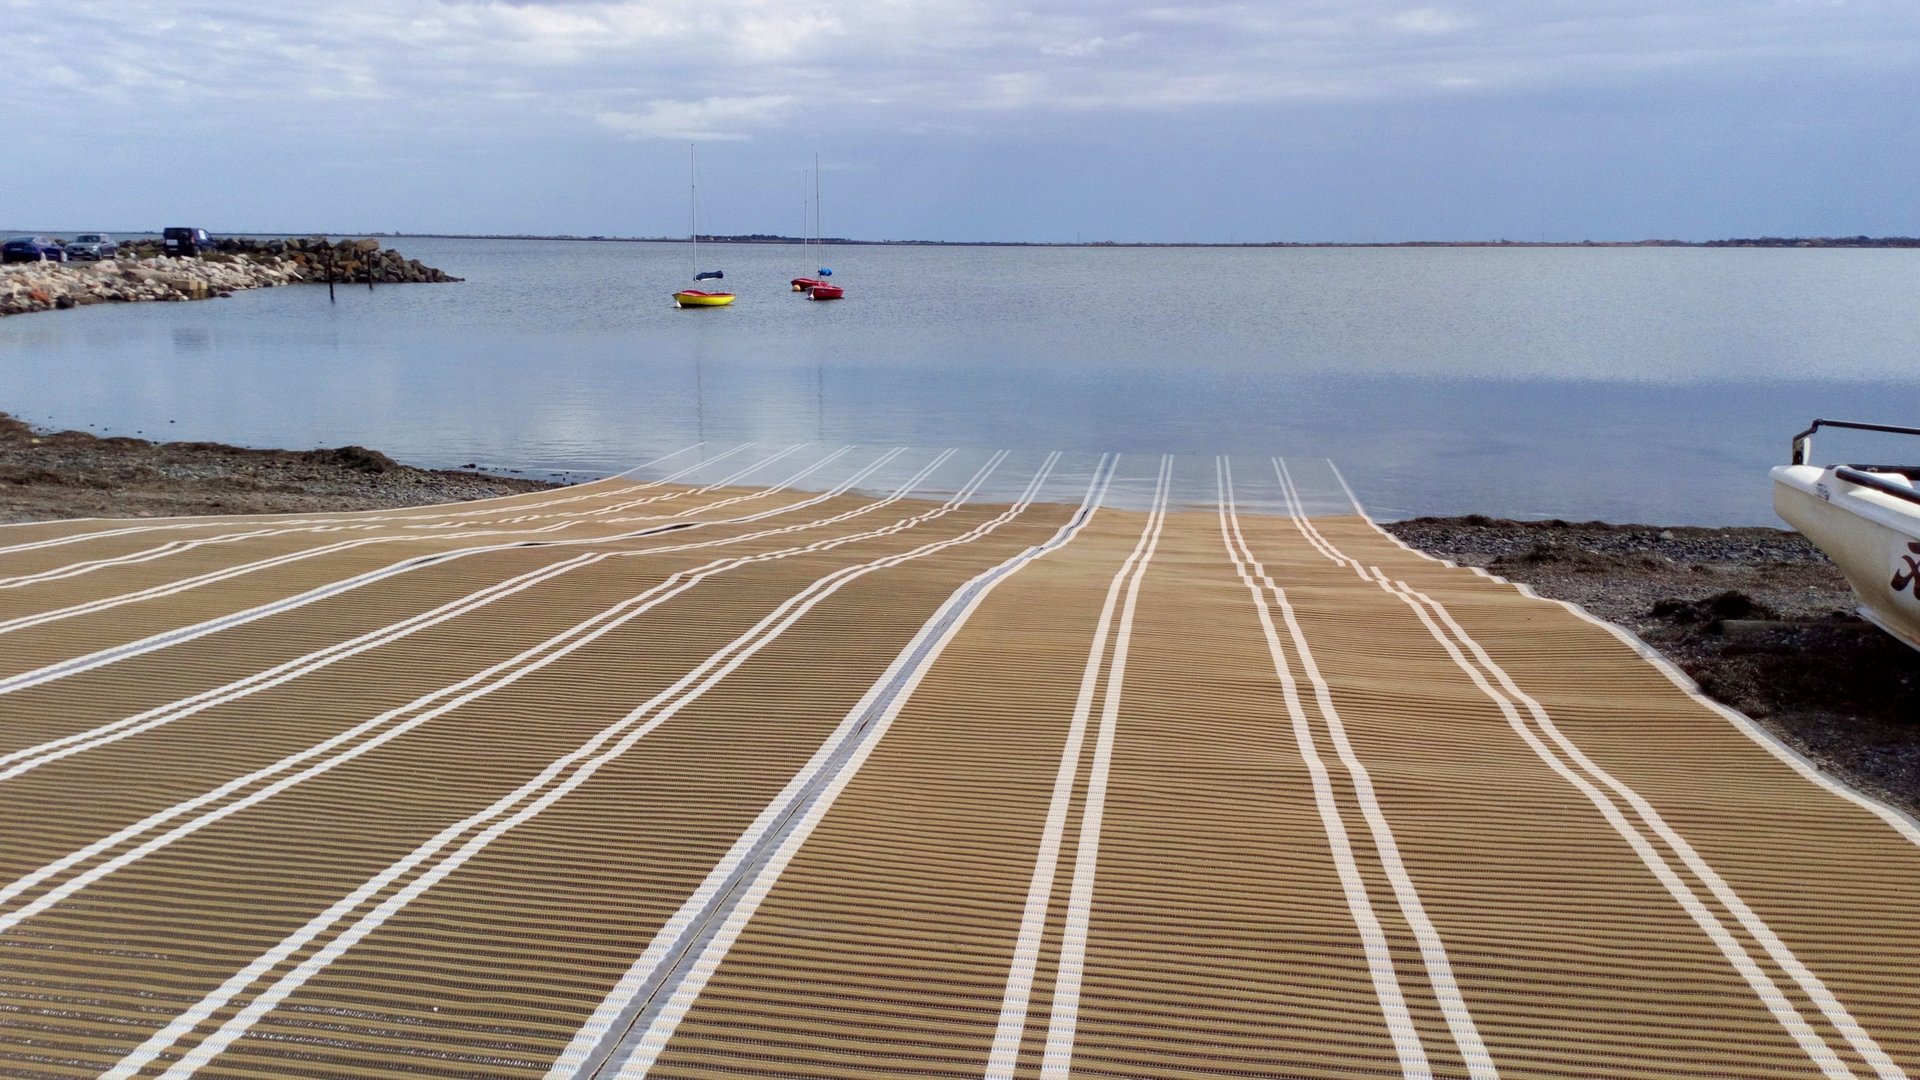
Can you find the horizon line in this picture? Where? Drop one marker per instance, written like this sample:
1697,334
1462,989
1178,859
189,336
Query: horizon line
1859,240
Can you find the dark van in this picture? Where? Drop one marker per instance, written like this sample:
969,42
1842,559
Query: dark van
182,241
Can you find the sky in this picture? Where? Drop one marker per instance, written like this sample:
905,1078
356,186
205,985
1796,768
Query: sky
1126,120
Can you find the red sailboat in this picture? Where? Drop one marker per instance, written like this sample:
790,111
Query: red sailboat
816,288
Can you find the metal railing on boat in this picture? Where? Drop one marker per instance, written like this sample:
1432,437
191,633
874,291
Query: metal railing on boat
1803,442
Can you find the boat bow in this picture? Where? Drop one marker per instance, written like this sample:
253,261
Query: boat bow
1867,520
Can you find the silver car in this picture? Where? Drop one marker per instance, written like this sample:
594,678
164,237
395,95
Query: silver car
92,245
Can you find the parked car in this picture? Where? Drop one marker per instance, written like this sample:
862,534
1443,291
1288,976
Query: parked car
92,245
182,241
32,249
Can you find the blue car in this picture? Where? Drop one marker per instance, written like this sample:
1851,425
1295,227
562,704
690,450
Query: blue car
180,241
32,249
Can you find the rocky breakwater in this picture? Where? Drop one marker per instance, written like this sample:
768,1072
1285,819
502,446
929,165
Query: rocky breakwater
239,264
345,260
28,287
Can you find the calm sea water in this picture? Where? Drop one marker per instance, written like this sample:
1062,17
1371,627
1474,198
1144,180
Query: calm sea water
1626,384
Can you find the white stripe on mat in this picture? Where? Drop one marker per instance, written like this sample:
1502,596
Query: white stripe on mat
725,481
1809,983
160,551
168,638
175,547
33,757
870,719
469,689
658,975
589,758
1506,698
195,521
1902,822
106,603
1064,1020
1017,996
621,475
1433,953
703,463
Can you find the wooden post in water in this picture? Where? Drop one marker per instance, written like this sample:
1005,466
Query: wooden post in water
368,248
322,252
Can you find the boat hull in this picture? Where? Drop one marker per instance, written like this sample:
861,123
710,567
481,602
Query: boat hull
689,298
1874,539
802,284
826,292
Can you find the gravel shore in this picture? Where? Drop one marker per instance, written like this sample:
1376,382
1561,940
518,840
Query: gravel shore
64,474
1760,618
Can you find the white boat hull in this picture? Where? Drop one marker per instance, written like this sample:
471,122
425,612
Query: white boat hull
1873,537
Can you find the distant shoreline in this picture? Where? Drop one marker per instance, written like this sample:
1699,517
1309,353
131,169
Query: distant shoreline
769,238
757,238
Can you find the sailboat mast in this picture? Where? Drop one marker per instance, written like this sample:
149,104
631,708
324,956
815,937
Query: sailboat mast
695,296
818,240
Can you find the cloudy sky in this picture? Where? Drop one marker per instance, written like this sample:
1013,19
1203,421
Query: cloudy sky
1343,120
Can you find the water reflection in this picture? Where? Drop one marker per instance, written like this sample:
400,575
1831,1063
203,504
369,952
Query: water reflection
1632,384
192,339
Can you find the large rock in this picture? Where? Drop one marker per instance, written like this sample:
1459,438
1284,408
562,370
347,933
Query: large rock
357,458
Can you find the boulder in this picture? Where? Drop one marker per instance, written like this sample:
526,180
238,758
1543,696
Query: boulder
357,458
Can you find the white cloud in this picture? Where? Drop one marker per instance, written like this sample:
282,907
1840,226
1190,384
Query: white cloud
668,68
712,118
1086,47
1427,21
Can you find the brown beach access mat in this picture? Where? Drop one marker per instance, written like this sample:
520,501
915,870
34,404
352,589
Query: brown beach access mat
864,762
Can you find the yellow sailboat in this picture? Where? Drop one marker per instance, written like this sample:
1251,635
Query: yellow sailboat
698,298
